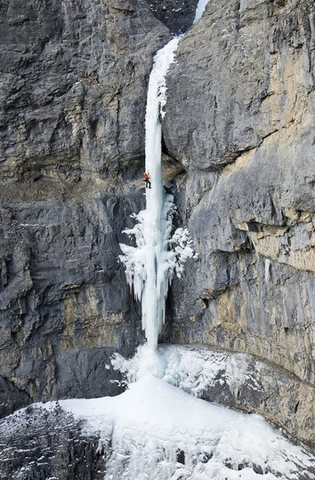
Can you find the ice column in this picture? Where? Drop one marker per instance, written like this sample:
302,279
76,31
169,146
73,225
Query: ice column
150,265
156,224
157,256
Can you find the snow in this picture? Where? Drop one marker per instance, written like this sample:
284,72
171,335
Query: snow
31,225
193,370
157,431
153,423
200,9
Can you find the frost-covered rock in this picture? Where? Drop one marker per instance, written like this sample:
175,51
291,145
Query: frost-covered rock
234,379
48,443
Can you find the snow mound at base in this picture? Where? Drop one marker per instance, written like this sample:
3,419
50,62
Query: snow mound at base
154,431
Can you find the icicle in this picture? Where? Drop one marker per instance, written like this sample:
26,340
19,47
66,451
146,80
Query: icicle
267,269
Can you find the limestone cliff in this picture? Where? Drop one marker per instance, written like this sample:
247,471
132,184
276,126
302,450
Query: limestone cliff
73,93
239,137
240,120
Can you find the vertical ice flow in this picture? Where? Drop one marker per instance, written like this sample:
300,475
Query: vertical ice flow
151,265
200,9
156,225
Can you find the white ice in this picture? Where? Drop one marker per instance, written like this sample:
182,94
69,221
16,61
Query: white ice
152,422
200,9
150,265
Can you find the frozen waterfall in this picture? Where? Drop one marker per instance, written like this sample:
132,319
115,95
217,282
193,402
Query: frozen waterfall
151,264
200,9
157,256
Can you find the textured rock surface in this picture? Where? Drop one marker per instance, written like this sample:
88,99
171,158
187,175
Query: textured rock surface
240,122
177,15
37,444
72,106
240,119
11,398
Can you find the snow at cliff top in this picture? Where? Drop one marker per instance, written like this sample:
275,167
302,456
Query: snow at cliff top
158,432
200,9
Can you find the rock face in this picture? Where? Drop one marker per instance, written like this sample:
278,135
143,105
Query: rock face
240,120
239,136
73,94
40,444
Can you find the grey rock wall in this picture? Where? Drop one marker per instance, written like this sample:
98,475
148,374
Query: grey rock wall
177,15
240,121
73,93
239,138
39,444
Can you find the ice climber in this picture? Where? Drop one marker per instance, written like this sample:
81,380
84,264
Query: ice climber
146,178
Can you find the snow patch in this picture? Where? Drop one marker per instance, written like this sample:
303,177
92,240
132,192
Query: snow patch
160,432
200,9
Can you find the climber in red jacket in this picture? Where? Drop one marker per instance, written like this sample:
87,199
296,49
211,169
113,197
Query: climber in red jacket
146,178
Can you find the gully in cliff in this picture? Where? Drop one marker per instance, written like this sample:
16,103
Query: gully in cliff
151,265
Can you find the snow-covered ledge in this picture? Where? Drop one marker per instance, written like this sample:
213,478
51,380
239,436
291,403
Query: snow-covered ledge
236,380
